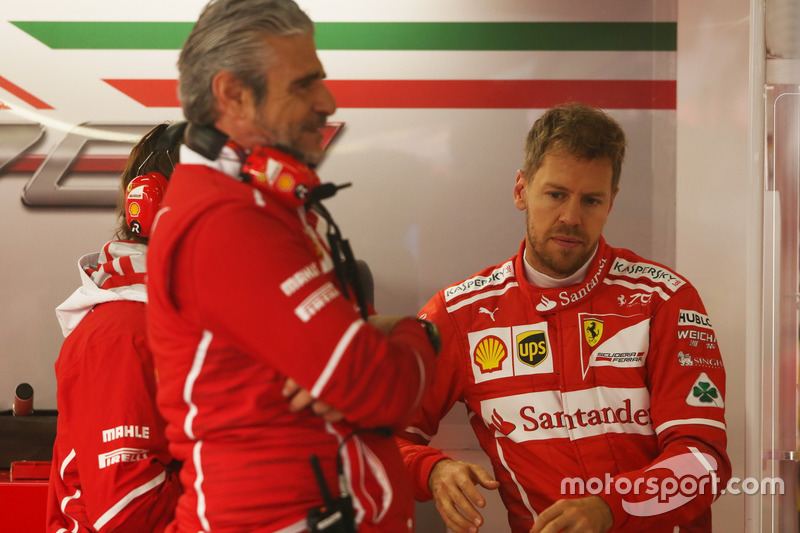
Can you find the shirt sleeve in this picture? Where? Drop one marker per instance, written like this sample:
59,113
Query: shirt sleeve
419,458
686,379
114,469
263,282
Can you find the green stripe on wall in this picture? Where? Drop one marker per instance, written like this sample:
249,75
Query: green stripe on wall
550,36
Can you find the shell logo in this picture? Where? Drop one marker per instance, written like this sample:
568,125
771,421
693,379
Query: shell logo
285,182
490,354
134,209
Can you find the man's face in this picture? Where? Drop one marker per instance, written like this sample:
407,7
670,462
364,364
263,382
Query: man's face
567,203
298,103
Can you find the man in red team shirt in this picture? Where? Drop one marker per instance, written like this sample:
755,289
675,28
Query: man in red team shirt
591,376
111,468
276,386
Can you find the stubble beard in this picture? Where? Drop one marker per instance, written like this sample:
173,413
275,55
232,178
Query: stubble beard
292,138
557,264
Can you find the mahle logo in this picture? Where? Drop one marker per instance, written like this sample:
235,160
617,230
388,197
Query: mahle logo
532,347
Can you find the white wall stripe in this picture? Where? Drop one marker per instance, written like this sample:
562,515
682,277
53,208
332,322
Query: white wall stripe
497,65
128,498
337,354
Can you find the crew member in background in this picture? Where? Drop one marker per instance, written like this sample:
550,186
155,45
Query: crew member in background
578,363
111,467
276,385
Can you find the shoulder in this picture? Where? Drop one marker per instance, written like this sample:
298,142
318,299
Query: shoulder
488,283
633,271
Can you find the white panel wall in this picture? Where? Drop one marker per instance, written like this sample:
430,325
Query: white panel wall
715,195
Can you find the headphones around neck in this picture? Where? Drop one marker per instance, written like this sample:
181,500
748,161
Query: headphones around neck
279,172
275,170
145,192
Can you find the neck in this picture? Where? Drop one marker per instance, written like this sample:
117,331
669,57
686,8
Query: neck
544,281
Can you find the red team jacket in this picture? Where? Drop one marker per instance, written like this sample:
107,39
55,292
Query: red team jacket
242,295
110,460
613,386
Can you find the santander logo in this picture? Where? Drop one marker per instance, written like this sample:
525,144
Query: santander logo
545,305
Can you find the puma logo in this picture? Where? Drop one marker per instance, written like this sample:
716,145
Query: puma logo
490,313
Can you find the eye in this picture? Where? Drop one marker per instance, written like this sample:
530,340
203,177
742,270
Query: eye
555,195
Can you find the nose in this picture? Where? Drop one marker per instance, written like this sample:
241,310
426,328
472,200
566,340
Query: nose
570,214
325,102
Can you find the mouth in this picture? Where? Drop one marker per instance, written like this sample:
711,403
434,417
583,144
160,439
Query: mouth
566,241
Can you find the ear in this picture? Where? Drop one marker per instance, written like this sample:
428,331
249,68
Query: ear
520,198
233,98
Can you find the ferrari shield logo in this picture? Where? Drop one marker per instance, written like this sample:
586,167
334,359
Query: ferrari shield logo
592,331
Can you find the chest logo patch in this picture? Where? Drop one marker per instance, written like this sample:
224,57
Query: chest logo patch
490,354
505,352
532,347
592,330
613,340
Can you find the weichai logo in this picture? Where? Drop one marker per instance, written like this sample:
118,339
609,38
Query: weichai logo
532,347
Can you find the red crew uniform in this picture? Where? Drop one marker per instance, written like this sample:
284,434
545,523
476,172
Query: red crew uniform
242,296
111,468
612,386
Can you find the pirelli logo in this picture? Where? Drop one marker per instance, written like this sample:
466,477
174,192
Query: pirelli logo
316,301
122,455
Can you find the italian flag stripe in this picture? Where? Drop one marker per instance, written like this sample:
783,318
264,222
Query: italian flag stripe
455,94
553,36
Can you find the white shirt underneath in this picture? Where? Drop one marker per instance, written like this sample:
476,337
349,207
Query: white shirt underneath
544,281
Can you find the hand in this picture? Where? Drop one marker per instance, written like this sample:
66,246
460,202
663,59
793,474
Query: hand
300,398
580,515
453,486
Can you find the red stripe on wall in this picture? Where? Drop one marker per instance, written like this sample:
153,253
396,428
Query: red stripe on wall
23,95
456,94
504,94
85,163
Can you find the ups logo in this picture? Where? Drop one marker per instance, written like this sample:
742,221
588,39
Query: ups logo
532,347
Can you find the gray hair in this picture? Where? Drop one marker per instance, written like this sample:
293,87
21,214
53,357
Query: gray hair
230,36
